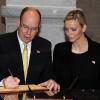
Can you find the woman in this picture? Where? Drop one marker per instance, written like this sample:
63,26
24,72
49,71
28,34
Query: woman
77,61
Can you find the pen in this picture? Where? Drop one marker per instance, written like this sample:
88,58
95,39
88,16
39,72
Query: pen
33,94
10,72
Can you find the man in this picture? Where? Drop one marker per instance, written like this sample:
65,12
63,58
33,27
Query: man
39,53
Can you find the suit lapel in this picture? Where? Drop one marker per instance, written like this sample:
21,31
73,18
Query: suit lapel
17,58
31,66
32,63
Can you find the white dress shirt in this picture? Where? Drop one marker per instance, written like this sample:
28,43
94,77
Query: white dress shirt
21,43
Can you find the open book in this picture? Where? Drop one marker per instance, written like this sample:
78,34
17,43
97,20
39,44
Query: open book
23,88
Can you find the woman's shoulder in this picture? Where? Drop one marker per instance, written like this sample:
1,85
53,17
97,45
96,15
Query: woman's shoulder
94,43
94,46
62,46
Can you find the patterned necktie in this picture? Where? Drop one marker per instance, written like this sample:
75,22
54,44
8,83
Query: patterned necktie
25,60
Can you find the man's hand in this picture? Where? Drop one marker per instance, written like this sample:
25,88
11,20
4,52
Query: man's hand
11,97
11,82
51,85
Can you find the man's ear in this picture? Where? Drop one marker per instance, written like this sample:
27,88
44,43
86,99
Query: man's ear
84,28
18,22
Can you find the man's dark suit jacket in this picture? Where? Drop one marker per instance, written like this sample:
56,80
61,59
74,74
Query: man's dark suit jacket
40,64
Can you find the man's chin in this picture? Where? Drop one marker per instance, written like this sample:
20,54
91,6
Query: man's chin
27,41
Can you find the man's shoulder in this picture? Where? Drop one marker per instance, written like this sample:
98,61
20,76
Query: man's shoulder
7,35
41,40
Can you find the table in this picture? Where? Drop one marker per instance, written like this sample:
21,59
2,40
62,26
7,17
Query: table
64,94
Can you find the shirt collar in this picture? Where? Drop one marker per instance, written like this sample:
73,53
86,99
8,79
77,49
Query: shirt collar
22,43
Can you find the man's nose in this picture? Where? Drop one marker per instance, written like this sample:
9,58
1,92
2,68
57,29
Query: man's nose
29,31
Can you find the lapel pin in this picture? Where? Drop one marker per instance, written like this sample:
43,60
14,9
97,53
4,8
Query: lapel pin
93,61
38,51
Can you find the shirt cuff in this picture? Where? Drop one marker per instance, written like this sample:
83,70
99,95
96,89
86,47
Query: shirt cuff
1,83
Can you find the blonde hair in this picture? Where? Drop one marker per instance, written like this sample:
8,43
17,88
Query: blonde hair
76,14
